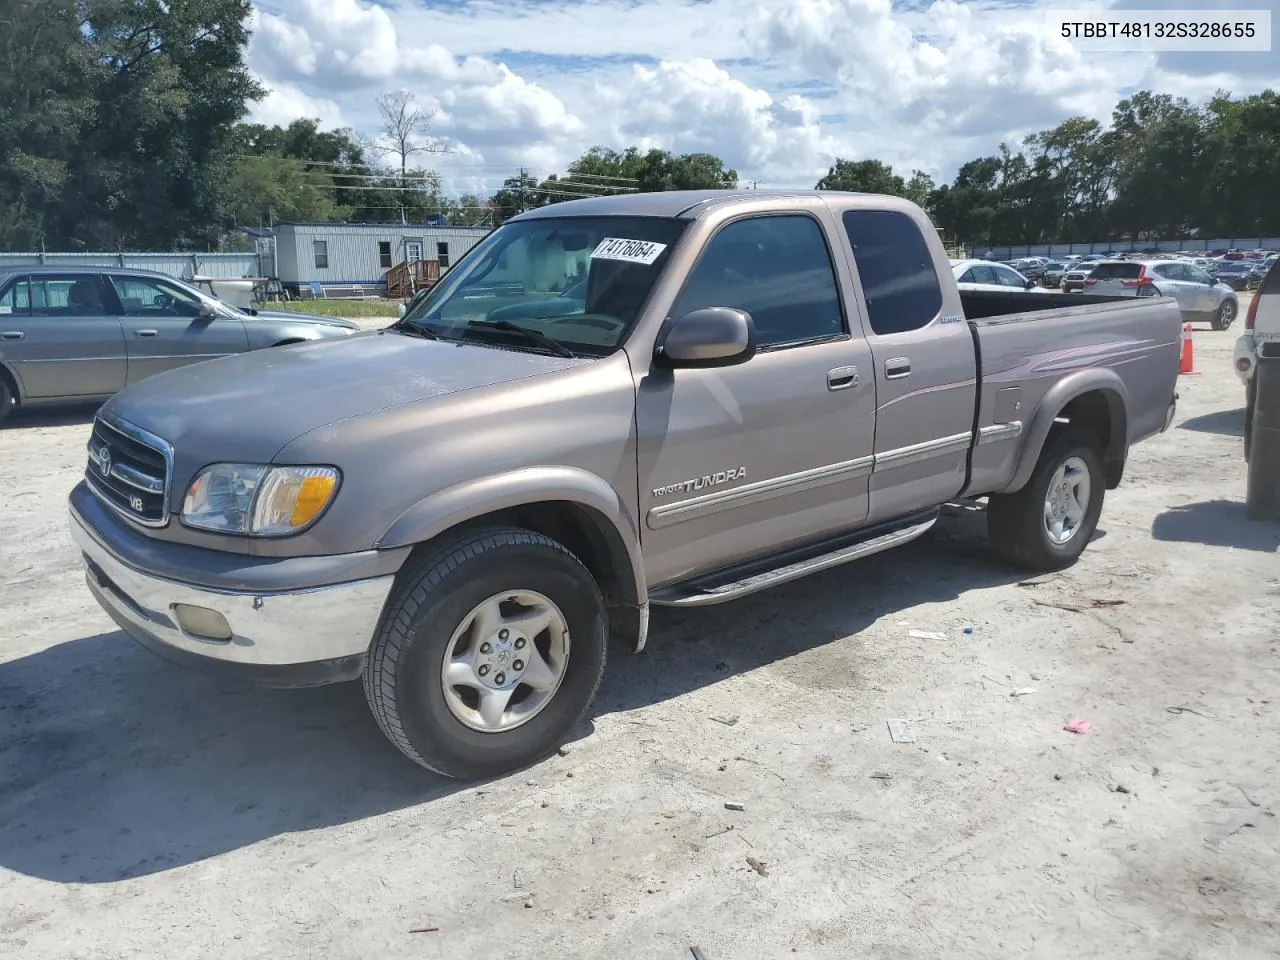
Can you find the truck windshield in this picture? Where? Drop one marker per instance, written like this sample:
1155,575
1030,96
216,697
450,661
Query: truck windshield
578,280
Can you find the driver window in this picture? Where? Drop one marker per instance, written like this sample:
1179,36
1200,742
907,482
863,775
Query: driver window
1007,278
143,297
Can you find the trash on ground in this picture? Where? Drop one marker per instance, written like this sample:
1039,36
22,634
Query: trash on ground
734,805
517,879
1119,788
425,930
1023,692
926,635
968,631
881,776
563,751
719,833
697,954
757,866
900,731
1036,581
727,721
1077,726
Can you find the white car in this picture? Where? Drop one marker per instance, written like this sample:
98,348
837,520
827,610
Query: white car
984,275
1261,331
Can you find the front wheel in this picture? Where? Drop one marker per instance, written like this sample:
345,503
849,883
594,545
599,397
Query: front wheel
1225,316
1048,523
490,650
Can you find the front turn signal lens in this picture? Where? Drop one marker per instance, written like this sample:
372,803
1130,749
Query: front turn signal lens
290,499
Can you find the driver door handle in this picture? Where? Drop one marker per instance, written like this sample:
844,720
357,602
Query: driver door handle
842,378
146,333
897,368
12,335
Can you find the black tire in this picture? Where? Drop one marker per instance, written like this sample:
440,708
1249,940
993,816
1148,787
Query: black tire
402,678
1226,315
1015,522
7,400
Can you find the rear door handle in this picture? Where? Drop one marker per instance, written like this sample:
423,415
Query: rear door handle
842,378
12,335
897,368
146,333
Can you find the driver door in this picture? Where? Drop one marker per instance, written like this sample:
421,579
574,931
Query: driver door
162,329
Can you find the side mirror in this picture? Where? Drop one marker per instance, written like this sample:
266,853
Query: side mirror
400,309
206,311
710,337
1028,284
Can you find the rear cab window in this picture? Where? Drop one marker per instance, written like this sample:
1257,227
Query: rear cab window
899,282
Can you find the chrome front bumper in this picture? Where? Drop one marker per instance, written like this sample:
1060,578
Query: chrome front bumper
286,638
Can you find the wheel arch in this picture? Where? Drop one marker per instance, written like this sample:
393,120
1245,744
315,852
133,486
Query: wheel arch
10,380
1095,399
567,504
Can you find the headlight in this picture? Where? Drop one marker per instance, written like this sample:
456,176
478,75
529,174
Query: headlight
257,500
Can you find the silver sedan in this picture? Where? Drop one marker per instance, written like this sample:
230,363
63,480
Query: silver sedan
82,335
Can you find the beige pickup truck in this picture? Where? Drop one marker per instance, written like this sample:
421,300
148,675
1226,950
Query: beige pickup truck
663,398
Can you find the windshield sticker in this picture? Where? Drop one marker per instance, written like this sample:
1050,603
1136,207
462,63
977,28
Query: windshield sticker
631,251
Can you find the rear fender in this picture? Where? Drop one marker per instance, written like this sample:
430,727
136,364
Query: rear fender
1100,379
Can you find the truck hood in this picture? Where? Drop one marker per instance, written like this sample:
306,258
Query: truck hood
247,407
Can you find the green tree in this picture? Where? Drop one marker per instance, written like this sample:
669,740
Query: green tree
863,176
150,170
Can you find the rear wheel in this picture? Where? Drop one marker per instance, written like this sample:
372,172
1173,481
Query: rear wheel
1225,316
1048,523
491,649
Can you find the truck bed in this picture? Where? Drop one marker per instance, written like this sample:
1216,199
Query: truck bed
982,304
1104,348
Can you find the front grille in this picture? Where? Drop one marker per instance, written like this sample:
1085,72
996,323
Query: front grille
128,469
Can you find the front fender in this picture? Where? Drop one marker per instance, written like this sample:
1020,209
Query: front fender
441,511
1074,385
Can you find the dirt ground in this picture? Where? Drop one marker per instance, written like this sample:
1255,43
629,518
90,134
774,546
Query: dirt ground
146,811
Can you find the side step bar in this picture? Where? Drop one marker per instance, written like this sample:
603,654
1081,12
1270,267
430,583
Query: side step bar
705,592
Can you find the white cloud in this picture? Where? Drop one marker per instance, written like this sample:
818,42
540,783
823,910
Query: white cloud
284,103
697,106
777,90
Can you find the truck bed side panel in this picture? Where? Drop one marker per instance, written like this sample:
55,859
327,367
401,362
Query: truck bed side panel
1033,361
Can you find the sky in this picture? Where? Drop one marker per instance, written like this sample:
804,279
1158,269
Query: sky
777,89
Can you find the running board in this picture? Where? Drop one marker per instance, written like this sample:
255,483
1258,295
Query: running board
702,593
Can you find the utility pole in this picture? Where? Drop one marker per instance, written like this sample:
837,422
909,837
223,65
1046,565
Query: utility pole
520,194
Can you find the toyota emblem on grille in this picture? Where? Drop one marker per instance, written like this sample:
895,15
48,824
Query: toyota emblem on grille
104,460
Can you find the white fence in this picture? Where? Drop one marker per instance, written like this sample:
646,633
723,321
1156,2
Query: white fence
227,266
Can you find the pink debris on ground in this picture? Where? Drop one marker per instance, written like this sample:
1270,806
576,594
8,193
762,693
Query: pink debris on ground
1078,726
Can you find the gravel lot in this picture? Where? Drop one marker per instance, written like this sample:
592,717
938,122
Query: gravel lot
148,811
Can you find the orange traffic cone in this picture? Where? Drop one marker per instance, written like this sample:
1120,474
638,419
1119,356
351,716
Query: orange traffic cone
1188,362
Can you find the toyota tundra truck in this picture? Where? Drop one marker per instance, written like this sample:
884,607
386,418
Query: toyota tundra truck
670,399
